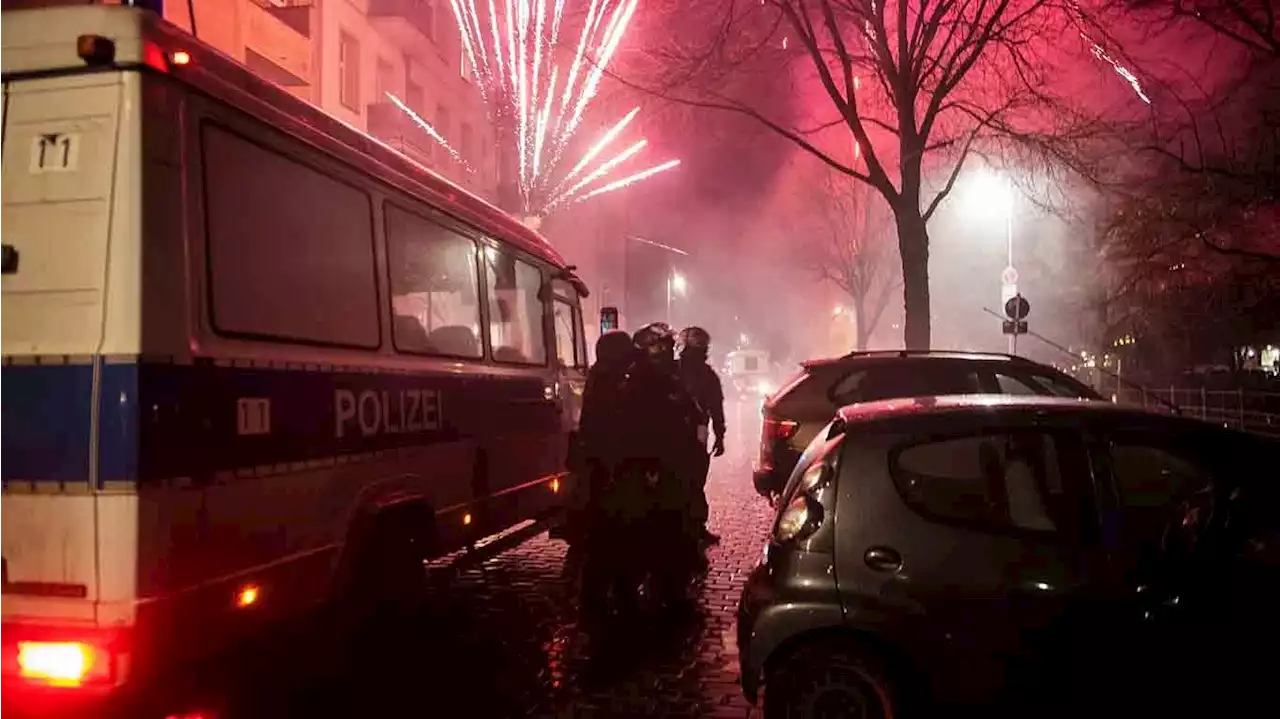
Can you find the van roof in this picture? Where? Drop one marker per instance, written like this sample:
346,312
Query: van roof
44,41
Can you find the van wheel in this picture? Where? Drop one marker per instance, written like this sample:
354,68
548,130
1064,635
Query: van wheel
388,576
830,680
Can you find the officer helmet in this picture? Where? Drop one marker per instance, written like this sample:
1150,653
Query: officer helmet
614,348
655,341
695,338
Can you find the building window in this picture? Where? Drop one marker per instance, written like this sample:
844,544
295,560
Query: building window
386,79
435,288
465,140
464,67
413,94
515,309
290,247
348,70
442,121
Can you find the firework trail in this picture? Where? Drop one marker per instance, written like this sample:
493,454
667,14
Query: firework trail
1121,70
427,128
513,48
630,180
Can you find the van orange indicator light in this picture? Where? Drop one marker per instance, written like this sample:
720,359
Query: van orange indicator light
247,596
466,518
57,663
181,57
555,485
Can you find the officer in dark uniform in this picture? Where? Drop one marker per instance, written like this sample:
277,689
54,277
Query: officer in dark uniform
704,384
647,510
598,435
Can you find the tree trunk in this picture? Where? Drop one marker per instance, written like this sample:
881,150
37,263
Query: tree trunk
860,329
913,246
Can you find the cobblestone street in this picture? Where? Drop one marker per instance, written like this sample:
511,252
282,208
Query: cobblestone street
501,639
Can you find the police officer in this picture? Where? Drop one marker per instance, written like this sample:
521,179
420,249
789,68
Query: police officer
704,384
601,430
661,420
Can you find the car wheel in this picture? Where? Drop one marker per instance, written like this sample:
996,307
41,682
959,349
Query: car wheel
830,680
388,576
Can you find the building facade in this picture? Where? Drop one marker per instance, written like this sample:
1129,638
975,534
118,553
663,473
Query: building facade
347,56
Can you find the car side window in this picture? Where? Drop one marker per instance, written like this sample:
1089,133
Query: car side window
1149,478
1012,385
900,381
993,481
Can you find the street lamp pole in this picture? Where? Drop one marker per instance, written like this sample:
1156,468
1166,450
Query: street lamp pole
1008,228
670,282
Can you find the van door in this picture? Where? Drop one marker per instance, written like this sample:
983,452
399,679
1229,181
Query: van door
571,353
60,136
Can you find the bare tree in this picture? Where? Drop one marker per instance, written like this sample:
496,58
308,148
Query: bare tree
1185,298
916,84
851,247
1214,145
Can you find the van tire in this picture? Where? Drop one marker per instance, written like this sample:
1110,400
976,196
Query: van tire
829,678
387,576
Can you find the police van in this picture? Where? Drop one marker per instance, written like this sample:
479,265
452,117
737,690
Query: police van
252,357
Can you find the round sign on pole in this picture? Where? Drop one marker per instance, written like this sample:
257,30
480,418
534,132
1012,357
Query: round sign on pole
1017,308
1009,276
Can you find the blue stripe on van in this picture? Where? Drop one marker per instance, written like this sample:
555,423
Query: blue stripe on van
158,421
44,411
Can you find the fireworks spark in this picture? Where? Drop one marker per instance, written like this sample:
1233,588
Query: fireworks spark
514,53
431,131
630,180
1121,70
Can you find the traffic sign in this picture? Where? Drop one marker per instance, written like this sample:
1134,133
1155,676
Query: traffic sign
1011,327
1009,276
1017,308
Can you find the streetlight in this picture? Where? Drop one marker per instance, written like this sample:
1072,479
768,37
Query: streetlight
991,195
675,284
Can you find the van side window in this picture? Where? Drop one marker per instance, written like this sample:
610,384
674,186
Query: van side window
290,249
435,287
515,309
566,334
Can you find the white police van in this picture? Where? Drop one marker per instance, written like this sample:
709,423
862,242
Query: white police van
251,356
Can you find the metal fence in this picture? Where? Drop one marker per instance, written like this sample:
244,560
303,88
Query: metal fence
1250,410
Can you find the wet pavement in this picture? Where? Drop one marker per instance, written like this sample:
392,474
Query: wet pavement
501,638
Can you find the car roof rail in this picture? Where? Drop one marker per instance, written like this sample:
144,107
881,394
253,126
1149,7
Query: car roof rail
921,353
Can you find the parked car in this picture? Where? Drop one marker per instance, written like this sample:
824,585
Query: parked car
972,550
795,413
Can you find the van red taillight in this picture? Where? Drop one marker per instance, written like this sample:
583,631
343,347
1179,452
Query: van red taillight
61,657
61,663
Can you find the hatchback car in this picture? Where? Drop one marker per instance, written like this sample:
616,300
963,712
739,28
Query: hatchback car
794,414
967,550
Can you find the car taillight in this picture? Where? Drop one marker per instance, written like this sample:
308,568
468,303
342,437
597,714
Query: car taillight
774,430
779,429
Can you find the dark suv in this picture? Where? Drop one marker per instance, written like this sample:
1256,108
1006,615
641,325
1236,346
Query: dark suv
794,414
965,550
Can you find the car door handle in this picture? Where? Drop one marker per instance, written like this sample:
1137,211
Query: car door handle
883,559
